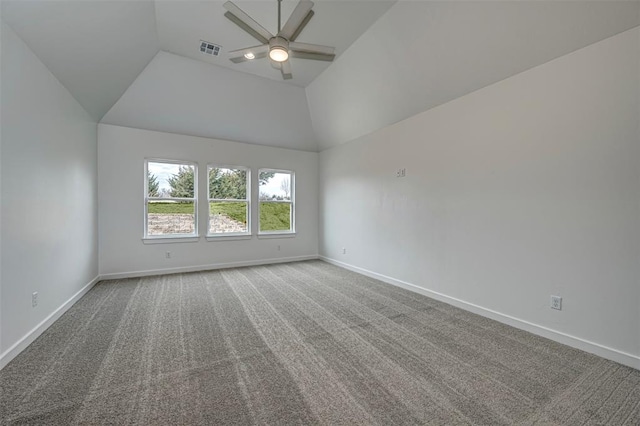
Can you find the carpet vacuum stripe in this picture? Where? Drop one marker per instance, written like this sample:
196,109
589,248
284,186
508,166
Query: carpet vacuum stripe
302,343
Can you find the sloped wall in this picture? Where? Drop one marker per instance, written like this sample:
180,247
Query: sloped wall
421,54
524,189
181,95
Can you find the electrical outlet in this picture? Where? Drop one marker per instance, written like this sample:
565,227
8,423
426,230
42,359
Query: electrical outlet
401,172
556,302
344,250
34,299
167,255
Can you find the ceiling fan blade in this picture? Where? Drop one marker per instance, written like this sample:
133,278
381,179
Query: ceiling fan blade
304,23
311,48
276,65
244,21
296,19
237,56
285,68
311,55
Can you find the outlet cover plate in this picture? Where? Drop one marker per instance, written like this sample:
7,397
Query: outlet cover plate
556,302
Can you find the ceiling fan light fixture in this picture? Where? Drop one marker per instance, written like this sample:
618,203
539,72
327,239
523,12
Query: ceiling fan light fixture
279,49
249,55
278,54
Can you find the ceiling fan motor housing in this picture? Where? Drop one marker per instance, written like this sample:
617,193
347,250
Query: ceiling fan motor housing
279,48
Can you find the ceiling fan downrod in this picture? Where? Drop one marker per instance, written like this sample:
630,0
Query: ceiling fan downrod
279,13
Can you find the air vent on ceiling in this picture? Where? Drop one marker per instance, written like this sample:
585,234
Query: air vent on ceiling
209,48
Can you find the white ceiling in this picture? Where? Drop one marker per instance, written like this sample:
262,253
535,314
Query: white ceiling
395,59
181,95
97,48
438,51
182,24
94,48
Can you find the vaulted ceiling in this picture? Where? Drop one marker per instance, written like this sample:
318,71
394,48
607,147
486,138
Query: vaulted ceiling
137,63
96,49
181,26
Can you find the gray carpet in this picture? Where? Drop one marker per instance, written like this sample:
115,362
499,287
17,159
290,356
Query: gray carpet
299,343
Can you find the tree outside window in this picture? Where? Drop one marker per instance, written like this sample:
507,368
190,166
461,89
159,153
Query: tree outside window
276,201
171,199
229,204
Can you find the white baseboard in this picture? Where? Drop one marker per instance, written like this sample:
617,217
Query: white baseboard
624,358
32,335
181,269
575,342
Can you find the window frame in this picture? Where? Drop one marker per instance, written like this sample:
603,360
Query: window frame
229,235
292,228
170,237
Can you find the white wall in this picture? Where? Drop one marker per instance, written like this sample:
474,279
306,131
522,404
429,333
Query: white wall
185,96
521,190
49,196
121,154
421,54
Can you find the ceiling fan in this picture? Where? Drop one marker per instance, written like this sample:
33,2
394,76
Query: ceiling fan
282,46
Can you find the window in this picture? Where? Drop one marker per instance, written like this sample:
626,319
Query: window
229,196
276,201
170,199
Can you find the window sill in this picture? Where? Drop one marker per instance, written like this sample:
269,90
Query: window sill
169,240
270,235
222,237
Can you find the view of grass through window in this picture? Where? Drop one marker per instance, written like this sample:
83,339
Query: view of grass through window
171,199
275,217
276,207
228,202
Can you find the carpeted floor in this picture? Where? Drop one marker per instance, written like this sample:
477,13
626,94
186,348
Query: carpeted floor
299,343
